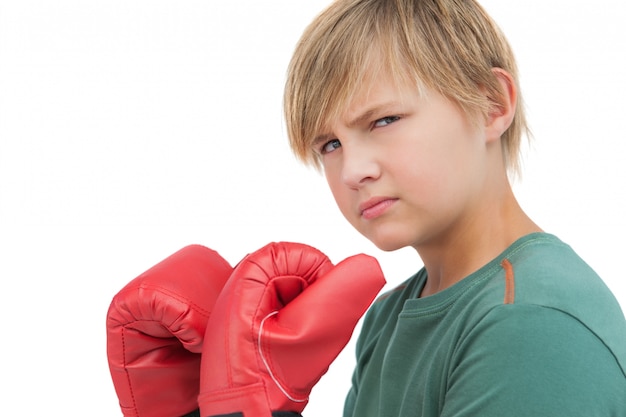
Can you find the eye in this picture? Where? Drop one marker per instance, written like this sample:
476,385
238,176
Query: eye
330,146
385,121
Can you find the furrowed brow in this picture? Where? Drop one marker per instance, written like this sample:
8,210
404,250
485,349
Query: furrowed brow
375,111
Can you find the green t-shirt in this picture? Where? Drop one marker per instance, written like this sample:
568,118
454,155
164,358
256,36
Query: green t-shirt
533,333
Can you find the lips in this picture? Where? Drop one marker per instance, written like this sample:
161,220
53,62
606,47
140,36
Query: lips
375,207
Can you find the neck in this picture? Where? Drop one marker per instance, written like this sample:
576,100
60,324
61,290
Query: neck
474,240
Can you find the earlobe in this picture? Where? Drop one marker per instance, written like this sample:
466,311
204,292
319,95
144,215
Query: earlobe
503,107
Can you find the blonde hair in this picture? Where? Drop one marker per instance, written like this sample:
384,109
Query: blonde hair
450,46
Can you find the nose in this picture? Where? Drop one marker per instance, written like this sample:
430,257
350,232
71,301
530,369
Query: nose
359,165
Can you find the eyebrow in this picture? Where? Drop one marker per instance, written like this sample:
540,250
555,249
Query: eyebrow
377,109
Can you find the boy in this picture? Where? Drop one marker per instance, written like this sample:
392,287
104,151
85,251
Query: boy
413,109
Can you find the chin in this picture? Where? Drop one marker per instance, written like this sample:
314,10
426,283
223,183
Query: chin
388,244
390,248
388,237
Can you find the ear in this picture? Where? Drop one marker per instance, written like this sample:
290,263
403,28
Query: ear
503,107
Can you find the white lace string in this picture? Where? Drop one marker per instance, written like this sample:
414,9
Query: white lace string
267,366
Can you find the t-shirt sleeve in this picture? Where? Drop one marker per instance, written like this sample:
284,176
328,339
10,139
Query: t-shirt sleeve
527,360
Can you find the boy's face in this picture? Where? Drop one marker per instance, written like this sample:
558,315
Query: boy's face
405,169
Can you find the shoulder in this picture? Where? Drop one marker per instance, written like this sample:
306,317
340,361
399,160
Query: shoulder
535,360
545,268
547,274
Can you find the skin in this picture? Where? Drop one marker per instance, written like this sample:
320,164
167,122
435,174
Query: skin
410,169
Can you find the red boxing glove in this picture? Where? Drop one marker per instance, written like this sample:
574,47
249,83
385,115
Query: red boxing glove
282,318
155,332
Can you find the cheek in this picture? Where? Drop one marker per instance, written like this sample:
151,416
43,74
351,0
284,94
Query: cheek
440,157
432,178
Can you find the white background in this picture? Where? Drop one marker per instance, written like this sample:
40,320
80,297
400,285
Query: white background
129,129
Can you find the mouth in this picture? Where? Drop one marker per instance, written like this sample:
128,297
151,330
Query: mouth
375,207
